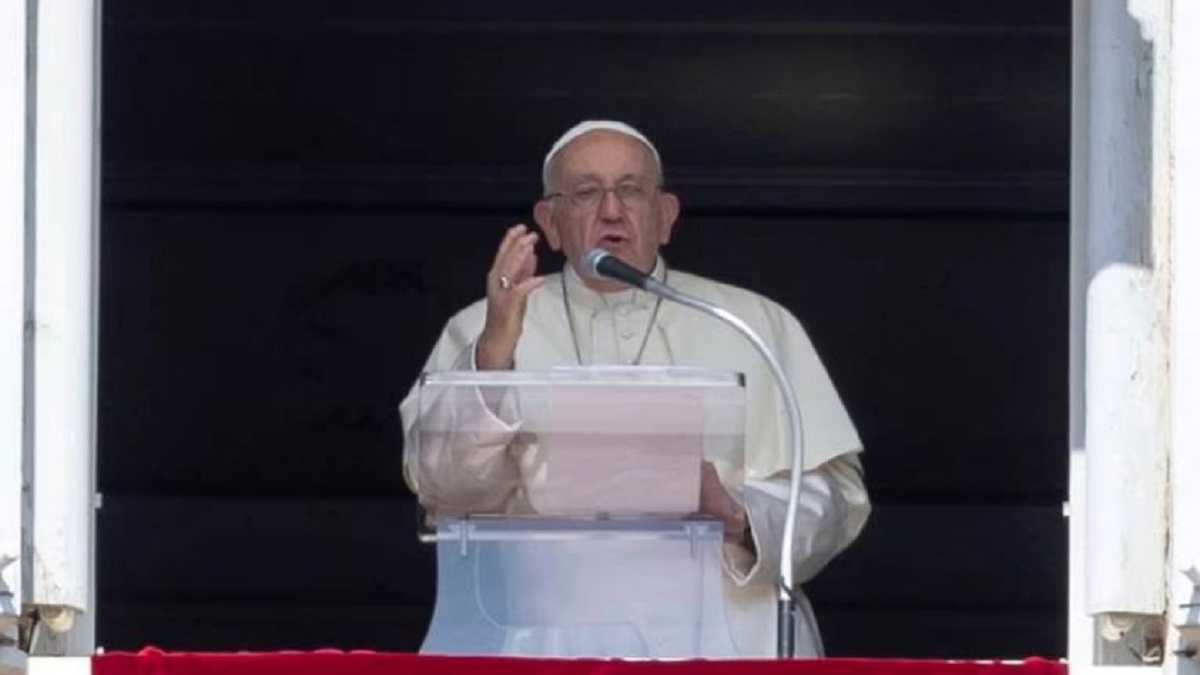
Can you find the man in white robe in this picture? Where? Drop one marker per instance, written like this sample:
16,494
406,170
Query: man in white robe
603,188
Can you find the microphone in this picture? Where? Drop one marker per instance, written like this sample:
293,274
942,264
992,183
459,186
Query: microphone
601,263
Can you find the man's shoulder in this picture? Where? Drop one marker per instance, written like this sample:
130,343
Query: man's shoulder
723,293
471,313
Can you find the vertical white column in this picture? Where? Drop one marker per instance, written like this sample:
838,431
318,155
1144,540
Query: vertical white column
1079,622
66,140
1119,376
12,323
1185,326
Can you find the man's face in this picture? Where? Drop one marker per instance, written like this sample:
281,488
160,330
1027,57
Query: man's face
608,196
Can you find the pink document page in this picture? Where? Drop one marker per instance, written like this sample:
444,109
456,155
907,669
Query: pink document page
619,450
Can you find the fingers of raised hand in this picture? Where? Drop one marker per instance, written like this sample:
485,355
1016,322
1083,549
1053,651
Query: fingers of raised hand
511,237
515,263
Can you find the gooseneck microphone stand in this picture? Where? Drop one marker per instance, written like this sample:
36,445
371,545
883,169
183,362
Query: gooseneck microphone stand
603,264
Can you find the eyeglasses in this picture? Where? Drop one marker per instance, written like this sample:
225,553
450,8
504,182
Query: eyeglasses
588,196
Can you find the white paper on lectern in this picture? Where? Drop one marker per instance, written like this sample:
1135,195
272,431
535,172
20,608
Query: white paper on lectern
620,451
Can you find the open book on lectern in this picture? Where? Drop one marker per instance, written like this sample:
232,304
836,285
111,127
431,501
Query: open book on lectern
607,441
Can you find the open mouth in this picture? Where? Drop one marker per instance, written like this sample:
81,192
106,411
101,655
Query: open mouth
612,239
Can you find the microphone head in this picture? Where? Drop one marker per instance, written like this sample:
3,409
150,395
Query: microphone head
591,261
605,265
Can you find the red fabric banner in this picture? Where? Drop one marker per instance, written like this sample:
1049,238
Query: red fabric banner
156,662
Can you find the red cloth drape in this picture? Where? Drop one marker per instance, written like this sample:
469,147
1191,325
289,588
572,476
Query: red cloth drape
156,662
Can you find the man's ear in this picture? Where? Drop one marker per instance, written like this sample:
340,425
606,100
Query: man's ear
668,212
543,215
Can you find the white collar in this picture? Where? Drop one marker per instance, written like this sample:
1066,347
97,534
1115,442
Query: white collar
583,296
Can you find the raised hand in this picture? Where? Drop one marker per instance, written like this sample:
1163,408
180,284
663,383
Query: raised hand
509,282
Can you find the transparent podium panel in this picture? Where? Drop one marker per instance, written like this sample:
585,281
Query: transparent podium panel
628,588
600,441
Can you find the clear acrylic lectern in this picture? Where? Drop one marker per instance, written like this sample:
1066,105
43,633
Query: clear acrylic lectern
563,507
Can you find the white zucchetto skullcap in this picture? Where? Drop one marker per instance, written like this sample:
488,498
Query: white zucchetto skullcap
588,127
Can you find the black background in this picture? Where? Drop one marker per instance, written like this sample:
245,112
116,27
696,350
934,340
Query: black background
297,195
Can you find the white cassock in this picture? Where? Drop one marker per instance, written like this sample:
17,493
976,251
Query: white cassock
633,327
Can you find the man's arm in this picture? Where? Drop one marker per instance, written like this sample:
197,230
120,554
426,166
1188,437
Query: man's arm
833,508
456,447
834,504
457,458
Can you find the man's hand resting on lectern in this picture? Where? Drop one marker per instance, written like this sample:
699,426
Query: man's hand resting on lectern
716,501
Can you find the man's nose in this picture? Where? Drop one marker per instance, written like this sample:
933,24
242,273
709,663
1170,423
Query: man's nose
611,207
